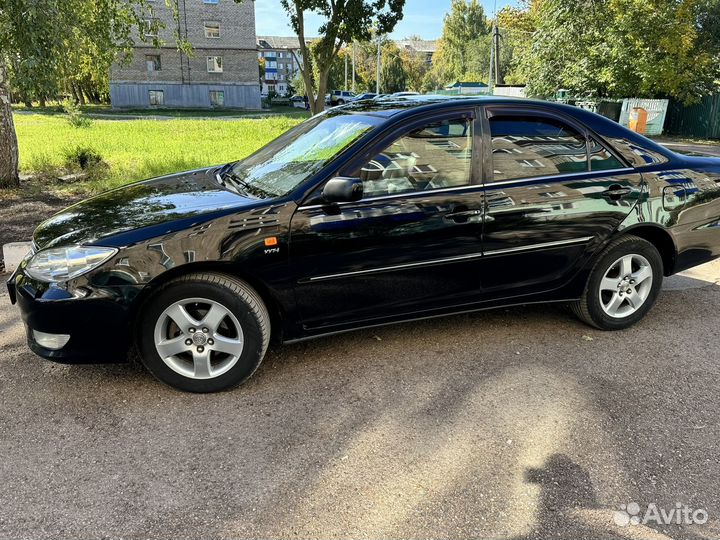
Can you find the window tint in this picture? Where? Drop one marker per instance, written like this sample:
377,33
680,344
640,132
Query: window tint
526,146
601,159
435,156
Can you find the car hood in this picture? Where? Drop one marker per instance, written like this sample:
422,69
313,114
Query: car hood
149,208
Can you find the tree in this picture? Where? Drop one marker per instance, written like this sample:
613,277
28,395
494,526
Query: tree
345,20
46,42
464,27
392,69
598,48
416,66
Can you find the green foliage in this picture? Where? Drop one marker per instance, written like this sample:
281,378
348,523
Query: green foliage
81,157
74,114
621,48
261,69
137,149
66,46
272,94
465,43
392,70
343,22
415,68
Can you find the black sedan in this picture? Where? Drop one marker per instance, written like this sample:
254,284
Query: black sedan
368,214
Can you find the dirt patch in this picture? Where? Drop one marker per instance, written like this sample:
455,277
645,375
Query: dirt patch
19,216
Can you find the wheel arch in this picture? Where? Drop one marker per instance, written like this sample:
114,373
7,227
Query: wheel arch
272,303
661,239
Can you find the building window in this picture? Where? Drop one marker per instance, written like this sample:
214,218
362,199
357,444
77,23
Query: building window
212,30
210,1
157,97
153,62
214,64
217,98
150,28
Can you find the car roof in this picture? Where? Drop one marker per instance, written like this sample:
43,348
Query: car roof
396,106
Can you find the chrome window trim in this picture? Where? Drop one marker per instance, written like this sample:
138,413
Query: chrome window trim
469,256
474,187
558,176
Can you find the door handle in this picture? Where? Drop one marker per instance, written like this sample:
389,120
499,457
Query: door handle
616,191
463,215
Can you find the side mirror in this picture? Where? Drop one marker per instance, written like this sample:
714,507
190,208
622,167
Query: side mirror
342,189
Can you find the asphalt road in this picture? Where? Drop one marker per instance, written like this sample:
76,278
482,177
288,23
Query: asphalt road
516,423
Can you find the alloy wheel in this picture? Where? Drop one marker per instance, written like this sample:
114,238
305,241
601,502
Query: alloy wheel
198,338
626,285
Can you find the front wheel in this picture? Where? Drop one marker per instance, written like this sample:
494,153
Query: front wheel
623,285
203,332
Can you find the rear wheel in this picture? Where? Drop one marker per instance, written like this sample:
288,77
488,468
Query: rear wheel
623,285
204,332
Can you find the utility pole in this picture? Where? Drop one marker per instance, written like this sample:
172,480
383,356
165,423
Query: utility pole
377,74
353,67
496,46
492,62
346,70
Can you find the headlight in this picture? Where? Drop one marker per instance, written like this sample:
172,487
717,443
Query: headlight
63,264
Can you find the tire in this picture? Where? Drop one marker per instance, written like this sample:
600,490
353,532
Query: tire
605,303
213,331
341,102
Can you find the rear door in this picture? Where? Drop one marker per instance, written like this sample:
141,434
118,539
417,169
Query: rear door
411,244
555,192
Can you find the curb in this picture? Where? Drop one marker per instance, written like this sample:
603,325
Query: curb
14,253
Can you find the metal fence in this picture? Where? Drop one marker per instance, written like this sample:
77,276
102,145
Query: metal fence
700,121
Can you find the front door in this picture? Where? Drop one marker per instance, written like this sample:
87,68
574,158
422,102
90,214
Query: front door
555,192
411,244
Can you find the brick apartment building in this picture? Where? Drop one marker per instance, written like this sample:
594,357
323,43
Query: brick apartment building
222,71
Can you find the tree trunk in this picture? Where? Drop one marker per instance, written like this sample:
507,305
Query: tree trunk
322,88
9,176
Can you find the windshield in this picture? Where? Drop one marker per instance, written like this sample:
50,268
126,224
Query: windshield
292,158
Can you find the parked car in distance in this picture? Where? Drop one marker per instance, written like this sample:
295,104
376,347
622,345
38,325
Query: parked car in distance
405,94
340,97
297,101
367,95
371,213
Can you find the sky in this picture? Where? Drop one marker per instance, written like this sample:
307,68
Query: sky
422,17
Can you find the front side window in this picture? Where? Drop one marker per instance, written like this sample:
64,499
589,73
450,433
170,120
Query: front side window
153,62
292,158
157,97
212,30
217,98
435,156
214,64
527,147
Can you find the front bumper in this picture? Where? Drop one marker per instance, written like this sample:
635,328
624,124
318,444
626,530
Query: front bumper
98,325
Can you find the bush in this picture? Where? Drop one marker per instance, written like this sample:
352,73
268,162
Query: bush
75,115
82,157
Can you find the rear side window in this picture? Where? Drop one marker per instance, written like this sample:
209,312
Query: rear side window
601,159
527,147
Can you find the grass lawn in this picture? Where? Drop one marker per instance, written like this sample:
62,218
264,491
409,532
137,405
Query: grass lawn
104,111
135,149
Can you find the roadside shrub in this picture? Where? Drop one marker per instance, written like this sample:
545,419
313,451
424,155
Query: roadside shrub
75,115
82,157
